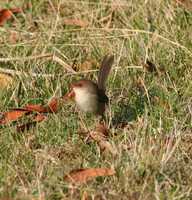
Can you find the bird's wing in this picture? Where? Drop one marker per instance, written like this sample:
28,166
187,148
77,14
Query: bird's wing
105,68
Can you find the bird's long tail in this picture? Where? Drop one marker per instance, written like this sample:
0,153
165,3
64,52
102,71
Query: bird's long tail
105,68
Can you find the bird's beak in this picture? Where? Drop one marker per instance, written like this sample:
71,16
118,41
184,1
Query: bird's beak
70,94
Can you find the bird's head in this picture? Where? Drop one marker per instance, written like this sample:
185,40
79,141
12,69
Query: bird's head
81,88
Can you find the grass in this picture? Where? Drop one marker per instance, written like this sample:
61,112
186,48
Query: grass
150,112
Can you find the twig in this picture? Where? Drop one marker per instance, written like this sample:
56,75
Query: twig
13,72
146,91
49,56
54,59
113,68
25,58
62,63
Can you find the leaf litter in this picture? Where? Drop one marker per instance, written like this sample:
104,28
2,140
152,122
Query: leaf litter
6,14
84,175
40,112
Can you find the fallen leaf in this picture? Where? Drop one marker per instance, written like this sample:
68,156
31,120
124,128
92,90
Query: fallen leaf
6,14
100,135
84,175
17,113
35,107
53,105
107,147
12,115
76,22
6,80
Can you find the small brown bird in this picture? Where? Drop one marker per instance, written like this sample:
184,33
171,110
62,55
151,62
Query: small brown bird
90,96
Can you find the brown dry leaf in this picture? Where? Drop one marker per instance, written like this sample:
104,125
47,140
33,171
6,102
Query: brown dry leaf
34,107
107,147
84,175
187,4
6,80
76,22
6,14
53,105
12,115
16,113
100,135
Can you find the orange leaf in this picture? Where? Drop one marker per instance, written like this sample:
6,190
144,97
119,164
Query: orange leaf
83,175
76,22
35,107
12,115
53,105
6,14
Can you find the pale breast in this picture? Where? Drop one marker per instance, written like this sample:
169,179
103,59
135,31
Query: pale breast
86,101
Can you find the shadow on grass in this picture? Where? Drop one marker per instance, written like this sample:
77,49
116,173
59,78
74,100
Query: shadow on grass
128,112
